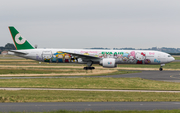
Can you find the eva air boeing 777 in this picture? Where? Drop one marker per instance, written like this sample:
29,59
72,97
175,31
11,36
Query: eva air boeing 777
106,58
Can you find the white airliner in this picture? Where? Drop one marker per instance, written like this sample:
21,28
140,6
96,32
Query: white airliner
106,58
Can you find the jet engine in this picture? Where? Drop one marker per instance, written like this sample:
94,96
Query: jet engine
108,63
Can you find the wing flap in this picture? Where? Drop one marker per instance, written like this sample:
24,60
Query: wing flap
83,56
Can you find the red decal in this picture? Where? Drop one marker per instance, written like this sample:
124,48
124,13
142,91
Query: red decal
143,54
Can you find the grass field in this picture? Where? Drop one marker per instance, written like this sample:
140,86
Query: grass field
91,83
177,57
155,111
10,67
62,71
83,96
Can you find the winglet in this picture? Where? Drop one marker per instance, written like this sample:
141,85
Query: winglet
19,41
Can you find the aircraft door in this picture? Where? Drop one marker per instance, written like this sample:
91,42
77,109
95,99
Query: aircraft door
46,56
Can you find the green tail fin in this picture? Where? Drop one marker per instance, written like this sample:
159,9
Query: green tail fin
19,41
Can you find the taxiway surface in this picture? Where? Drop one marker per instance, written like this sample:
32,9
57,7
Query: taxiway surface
87,106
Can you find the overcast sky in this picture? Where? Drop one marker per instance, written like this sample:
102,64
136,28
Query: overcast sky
92,23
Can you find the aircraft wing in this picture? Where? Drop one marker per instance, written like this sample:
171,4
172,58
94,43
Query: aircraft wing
84,56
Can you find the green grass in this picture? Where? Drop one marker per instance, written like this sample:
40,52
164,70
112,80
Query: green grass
37,71
135,111
177,58
139,66
155,111
172,65
59,71
83,96
91,83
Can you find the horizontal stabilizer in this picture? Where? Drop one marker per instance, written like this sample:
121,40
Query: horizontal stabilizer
18,52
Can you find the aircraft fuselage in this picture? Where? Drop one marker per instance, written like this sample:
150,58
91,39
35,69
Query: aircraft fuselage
120,56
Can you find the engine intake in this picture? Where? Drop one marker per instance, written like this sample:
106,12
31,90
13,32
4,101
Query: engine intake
108,63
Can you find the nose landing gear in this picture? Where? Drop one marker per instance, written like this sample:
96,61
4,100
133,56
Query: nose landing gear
161,69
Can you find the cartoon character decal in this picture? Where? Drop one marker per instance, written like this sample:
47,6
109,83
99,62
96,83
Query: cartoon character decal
74,59
119,58
125,54
60,56
140,57
100,55
86,53
46,56
125,59
53,58
105,55
131,57
147,61
38,57
157,61
67,58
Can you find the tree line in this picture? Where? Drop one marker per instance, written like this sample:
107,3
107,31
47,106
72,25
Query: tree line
7,47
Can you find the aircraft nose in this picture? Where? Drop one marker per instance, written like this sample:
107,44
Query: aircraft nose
172,59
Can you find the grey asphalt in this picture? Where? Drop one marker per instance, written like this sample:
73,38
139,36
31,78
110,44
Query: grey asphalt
87,106
170,76
109,90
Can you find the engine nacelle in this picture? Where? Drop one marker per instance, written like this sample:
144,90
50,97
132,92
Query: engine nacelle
108,62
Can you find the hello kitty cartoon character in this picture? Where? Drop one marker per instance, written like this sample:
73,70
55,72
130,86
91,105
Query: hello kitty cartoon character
140,57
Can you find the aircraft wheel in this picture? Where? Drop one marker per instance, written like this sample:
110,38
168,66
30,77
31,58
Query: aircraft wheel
85,68
88,68
160,69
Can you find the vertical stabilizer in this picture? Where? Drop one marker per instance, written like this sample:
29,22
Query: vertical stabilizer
19,41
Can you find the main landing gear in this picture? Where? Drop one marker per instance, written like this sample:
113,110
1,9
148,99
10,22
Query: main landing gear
89,68
160,69
89,64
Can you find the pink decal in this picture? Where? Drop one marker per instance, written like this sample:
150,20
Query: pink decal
132,53
83,52
92,51
88,52
151,53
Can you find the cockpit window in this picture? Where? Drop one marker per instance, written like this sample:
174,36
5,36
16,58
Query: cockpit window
169,55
